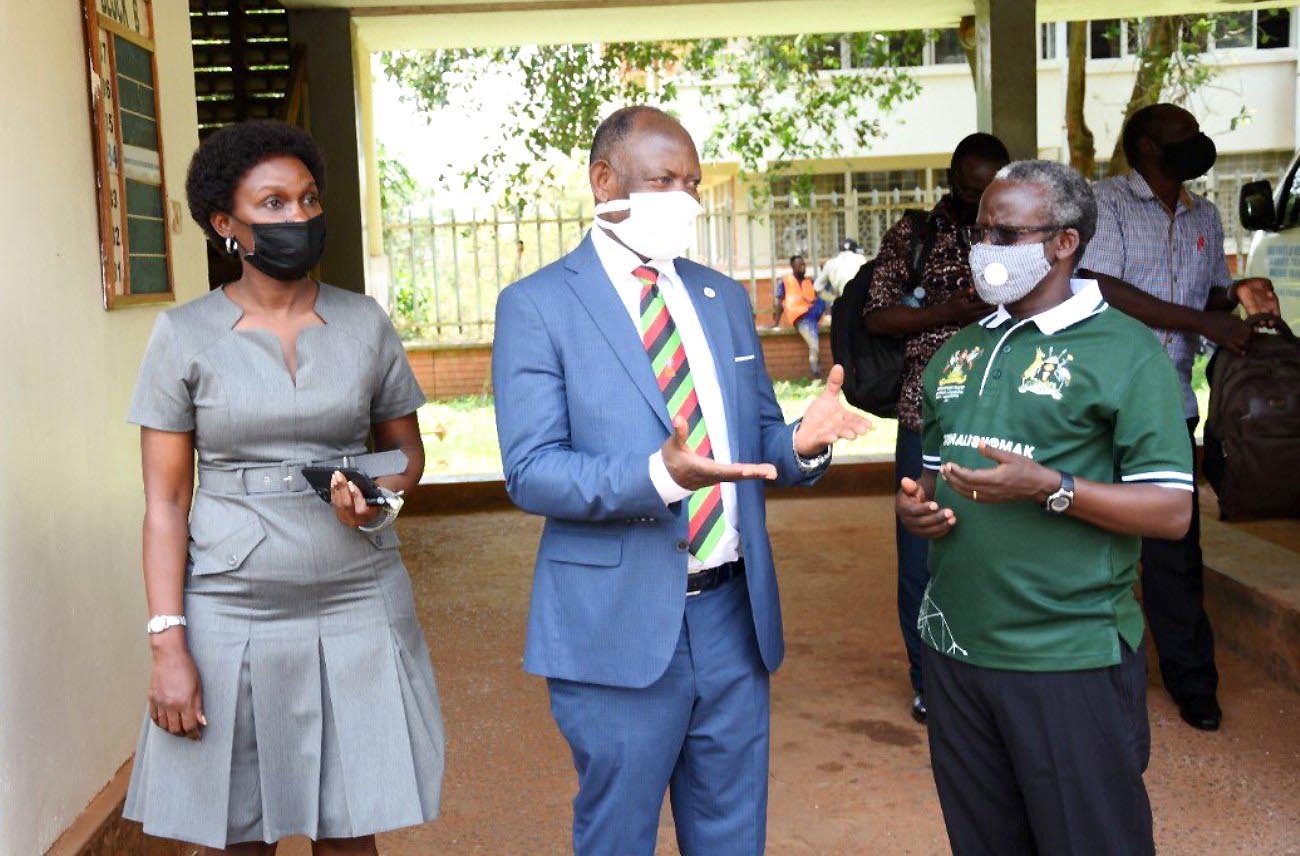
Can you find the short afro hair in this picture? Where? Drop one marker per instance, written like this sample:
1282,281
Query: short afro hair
223,159
615,128
1071,203
982,147
1141,124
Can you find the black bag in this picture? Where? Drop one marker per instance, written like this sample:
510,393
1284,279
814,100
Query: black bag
873,365
1252,433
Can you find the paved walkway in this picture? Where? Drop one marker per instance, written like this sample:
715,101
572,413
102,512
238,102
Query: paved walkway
850,770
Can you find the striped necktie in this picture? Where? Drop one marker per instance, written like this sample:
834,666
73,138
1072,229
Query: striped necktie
673,372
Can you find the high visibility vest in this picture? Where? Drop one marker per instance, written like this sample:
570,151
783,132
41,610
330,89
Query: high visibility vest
799,297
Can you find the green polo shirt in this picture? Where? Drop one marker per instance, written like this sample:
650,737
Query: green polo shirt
1081,388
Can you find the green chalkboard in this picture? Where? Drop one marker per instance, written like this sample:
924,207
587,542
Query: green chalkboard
149,275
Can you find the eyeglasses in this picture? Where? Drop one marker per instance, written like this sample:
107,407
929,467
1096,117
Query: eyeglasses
1003,235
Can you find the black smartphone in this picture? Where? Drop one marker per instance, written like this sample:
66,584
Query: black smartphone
319,479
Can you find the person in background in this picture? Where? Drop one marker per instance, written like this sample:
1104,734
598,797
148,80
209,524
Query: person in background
803,308
1159,257
840,268
1052,441
944,305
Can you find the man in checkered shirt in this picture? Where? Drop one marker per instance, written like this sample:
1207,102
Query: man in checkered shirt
1158,255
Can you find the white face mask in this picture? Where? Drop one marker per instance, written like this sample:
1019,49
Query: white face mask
659,225
1005,274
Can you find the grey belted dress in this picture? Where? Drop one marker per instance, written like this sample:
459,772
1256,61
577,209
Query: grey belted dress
323,714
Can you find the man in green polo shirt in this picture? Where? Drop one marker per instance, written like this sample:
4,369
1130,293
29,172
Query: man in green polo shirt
1053,441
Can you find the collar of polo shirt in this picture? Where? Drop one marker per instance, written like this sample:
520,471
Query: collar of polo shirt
1085,302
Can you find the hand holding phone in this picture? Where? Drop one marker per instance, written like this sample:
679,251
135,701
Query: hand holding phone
320,479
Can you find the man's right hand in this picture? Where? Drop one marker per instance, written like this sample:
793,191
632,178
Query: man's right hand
693,471
1226,329
919,515
965,308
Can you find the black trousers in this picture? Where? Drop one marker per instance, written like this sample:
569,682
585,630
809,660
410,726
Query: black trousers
1041,762
1173,596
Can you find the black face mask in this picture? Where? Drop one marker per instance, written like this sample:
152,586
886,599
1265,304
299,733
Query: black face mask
286,251
1190,158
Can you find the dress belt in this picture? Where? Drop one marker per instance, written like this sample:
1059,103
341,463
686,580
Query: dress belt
286,476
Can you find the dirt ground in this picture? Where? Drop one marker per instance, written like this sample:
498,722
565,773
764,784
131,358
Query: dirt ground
850,770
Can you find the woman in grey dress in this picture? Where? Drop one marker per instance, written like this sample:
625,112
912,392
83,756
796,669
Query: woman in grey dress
298,697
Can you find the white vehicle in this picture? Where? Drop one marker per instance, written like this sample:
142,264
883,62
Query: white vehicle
1275,245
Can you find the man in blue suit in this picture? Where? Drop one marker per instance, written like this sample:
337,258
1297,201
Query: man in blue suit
635,413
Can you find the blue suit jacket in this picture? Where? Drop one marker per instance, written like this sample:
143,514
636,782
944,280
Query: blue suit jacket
578,415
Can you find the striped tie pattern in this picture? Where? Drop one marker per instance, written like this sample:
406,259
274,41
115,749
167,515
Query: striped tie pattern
673,372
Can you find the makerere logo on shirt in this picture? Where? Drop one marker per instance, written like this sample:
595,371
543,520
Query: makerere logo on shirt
972,441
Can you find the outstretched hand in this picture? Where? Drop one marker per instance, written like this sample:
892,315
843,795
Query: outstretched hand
827,420
694,471
1015,477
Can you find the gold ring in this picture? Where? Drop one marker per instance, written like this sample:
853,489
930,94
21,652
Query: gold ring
975,496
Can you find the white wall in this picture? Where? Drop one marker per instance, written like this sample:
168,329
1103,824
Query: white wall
930,125
74,664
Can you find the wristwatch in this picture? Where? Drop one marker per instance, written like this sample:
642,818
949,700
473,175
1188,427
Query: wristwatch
392,506
1060,501
159,623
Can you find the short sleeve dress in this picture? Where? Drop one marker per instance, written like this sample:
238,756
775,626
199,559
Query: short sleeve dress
323,714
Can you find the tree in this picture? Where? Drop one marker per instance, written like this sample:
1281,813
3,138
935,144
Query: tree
775,99
1083,150
1170,52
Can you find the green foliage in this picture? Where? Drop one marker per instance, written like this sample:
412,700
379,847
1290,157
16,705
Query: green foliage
397,189
776,99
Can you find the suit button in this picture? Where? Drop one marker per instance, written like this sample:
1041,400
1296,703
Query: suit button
997,373
682,544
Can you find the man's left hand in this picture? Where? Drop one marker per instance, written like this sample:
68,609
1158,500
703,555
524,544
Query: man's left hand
1014,477
1256,296
827,420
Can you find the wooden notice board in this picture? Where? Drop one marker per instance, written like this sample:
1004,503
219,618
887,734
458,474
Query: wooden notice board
135,242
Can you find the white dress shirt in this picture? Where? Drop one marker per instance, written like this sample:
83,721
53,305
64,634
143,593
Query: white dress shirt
619,263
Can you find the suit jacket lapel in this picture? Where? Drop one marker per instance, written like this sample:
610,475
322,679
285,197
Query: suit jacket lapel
712,312
597,295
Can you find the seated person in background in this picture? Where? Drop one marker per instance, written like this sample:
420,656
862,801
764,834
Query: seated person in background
1056,428
803,308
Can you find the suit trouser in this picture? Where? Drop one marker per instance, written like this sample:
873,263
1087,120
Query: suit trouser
1041,762
913,557
1173,596
700,730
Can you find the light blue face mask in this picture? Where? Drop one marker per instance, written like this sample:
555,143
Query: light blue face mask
1005,274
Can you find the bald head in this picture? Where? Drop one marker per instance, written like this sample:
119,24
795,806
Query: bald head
640,149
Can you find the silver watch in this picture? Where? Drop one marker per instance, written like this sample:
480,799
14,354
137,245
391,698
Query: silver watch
159,623
1060,501
392,506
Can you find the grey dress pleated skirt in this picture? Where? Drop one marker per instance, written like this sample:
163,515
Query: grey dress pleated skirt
319,692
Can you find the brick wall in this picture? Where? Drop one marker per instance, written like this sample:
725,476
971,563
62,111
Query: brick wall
450,371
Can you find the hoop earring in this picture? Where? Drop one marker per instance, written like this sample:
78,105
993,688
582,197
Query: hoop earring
232,246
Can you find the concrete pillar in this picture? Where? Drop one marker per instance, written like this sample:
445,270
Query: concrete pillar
1006,73
334,112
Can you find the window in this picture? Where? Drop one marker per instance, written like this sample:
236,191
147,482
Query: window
1234,30
1272,28
1104,39
893,179
1047,41
135,242
947,48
